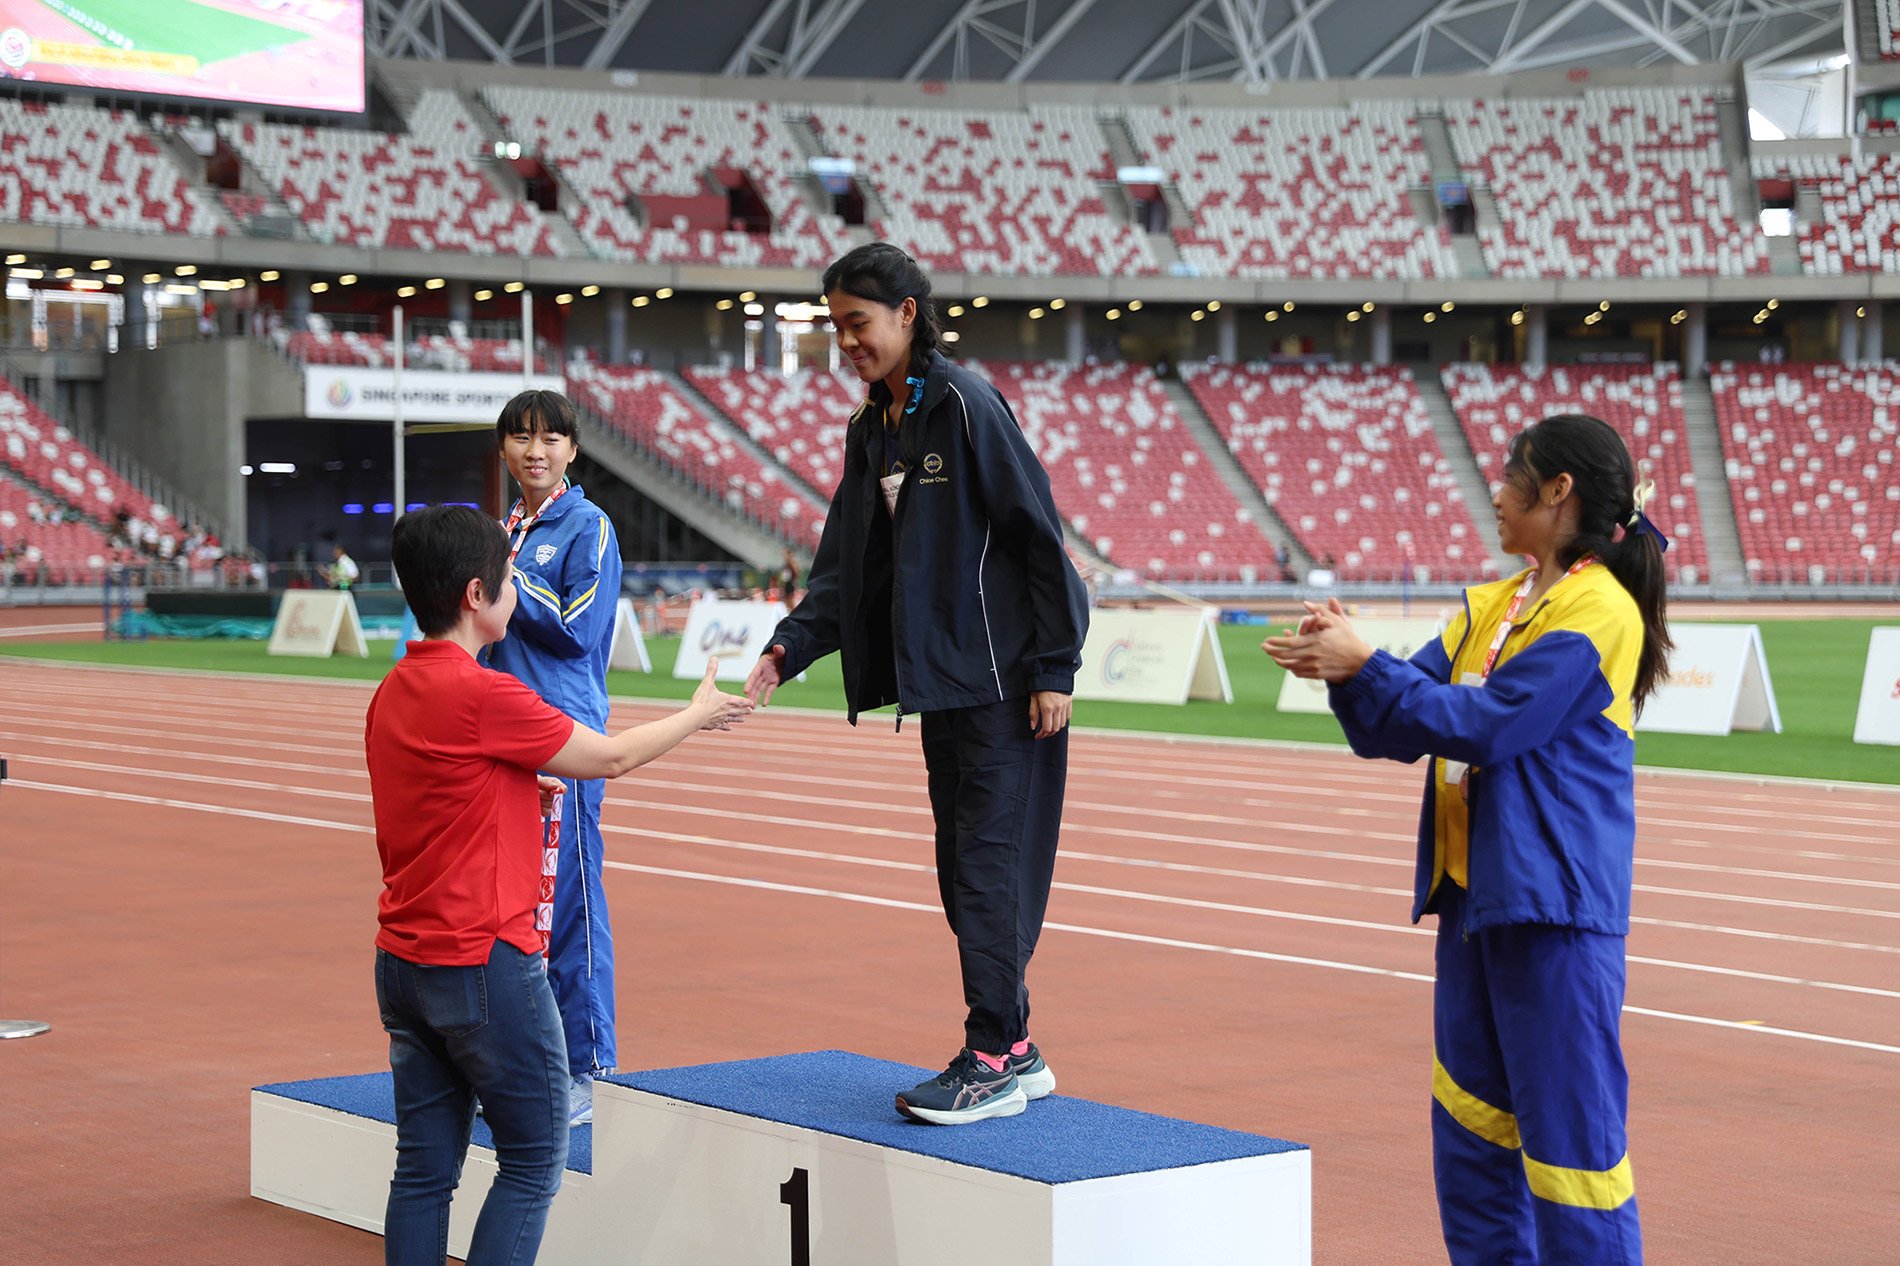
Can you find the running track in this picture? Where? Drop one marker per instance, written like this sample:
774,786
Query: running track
187,890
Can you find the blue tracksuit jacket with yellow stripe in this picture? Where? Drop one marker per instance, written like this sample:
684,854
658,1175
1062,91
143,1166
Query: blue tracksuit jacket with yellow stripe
567,580
1549,832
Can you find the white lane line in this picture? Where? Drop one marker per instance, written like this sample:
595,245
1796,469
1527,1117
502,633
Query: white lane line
47,630
1736,1026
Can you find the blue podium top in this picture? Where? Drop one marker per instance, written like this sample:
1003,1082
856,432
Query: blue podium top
1058,1140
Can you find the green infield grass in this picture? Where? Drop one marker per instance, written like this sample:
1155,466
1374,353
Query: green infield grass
1815,666
202,31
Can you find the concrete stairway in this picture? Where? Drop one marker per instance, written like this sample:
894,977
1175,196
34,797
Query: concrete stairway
1464,465
1720,537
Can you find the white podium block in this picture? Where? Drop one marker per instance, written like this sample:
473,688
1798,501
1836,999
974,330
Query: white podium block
803,1160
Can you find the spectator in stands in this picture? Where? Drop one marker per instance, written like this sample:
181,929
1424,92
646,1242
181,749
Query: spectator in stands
1527,843
452,750
343,571
788,575
942,581
566,561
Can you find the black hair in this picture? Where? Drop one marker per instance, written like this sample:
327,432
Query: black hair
884,274
1604,481
537,410
437,551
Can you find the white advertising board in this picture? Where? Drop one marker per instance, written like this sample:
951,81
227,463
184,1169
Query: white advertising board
318,623
1136,655
629,651
359,394
1878,720
734,631
1397,637
1718,682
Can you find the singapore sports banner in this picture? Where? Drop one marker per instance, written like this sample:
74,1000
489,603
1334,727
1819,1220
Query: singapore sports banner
734,631
1718,681
1152,656
1878,720
358,394
318,622
1401,638
297,54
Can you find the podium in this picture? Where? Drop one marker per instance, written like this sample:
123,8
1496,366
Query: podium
802,1160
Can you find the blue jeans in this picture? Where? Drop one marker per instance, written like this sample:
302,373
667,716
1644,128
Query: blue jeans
456,1033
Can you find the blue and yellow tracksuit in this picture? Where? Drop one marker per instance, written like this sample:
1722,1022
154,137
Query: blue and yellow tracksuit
567,586
1531,882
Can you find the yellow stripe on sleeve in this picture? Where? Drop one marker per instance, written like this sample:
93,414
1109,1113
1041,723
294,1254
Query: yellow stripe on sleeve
1494,1125
1581,1188
586,597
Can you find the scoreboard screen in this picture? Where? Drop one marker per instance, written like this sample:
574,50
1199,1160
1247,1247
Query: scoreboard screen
285,54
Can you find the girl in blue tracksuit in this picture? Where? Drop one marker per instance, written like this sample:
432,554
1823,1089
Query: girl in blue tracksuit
942,579
567,581
1526,708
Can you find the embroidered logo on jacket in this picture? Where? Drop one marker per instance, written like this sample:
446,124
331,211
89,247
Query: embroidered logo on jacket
544,554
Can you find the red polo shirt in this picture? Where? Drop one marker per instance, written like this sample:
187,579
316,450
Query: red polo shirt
453,749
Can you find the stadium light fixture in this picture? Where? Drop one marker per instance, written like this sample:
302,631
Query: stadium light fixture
323,287
180,288
1593,318
65,273
29,274
981,301
1354,315
15,259
1197,315
724,305
515,287
1772,304
1213,305
1113,314
151,279
212,283
588,292
1678,316
747,296
1367,306
1273,314
101,265
186,270
1760,317
755,309
1035,314
277,468
1604,306
434,283
664,292
86,283
1134,305
1517,317
1860,311
641,301
236,283
405,292
564,298
1430,316
1287,306
951,336
954,310
483,296
1446,306
115,279
1056,305
269,274
347,279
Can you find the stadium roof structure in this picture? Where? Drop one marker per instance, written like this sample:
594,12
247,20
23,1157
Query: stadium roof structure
1102,41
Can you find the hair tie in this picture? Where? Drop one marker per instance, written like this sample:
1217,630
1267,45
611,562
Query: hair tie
916,394
1640,496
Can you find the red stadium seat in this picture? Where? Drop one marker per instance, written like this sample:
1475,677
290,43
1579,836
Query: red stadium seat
79,166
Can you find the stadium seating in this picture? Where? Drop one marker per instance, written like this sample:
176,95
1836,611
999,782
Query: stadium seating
425,190
327,347
798,418
1860,207
613,148
456,353
46,454
1887,28
1297,193
1128,475
1347,458
73,165
1643,403
1620,182
1810,455
990,192
645,408
37,549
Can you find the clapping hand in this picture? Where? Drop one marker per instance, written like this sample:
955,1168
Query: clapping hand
1323,648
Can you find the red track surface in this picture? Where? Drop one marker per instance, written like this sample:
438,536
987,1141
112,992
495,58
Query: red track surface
187,891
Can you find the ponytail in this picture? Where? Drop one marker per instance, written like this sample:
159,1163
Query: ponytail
1611,525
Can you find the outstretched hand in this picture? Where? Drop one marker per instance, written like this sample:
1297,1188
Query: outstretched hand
718,710
764,677
1323,648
